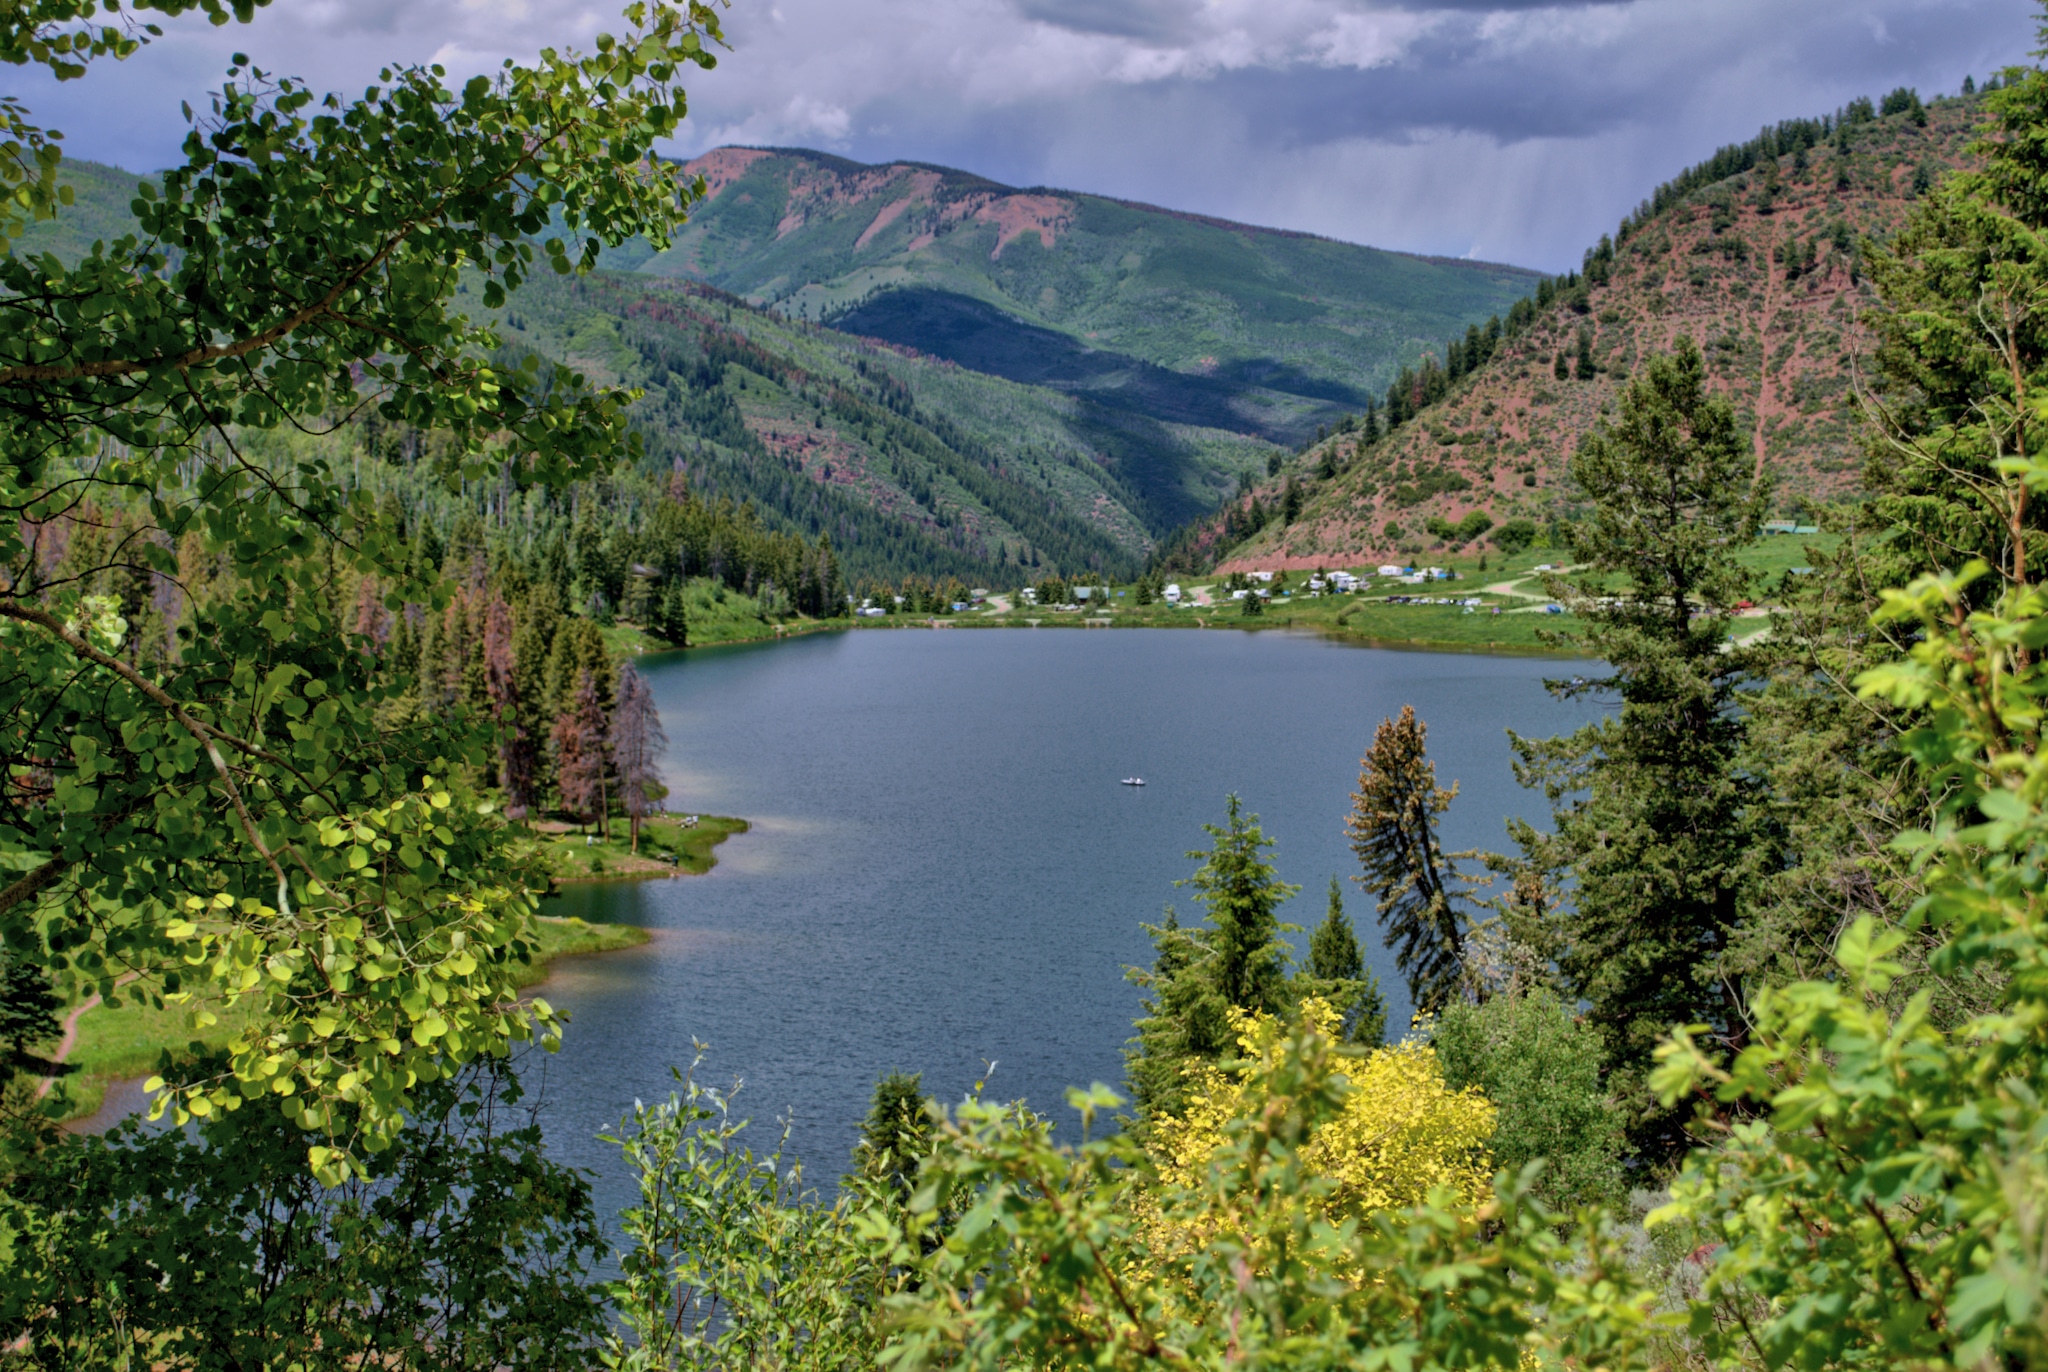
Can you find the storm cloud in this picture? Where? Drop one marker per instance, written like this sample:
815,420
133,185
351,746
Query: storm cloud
1512,131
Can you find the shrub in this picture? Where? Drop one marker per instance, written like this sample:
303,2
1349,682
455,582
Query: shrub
1517,534
1541,1069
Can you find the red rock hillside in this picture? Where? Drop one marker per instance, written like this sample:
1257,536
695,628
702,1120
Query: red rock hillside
1761,268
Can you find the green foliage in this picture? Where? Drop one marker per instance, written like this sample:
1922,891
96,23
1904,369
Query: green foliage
1658,825
253,814
1541,1068
896,1137
1341,977
1235,963
1475,523
28,1017
215,1248
728,1262
1892,1171
1333,949
1074,1256
1515,535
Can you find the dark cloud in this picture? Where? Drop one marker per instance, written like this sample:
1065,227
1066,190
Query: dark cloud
1508,130
1492,6
1148,21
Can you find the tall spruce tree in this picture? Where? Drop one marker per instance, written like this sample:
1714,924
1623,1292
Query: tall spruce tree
1392,825
1660,825
1333,948
1336,971
1237,960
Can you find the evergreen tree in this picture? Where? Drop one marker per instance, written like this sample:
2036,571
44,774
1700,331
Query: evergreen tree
1652,813
638,743
28,1017
579,737
1333,949
1956,400
897,1134
1236,961
1338,972
1392,825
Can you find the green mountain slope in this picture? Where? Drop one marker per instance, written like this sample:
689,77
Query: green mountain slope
1756,255
1145,311
912,465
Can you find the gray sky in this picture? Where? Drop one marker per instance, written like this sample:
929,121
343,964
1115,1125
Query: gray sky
1511,131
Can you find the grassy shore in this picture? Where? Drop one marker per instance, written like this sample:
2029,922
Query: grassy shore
1493,604
668,847
121,1042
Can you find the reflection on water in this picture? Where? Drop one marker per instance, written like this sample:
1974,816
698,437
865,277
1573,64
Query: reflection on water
944,870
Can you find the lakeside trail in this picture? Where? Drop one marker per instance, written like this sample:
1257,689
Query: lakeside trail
68,1041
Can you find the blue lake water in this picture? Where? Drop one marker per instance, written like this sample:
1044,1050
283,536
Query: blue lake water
944,869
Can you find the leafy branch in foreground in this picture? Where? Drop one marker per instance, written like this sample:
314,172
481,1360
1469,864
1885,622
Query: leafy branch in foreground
248,816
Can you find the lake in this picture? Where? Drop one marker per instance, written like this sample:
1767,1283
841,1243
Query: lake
944,870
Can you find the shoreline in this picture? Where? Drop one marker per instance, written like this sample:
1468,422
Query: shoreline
115,1094
692,850
114,1091
1335,633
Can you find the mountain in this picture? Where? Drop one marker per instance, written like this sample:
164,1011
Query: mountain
1143,312
912,464
1755,254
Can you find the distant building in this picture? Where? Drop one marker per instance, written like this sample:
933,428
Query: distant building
1389,569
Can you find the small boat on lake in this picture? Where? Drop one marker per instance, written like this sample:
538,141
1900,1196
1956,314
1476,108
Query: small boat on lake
1134,781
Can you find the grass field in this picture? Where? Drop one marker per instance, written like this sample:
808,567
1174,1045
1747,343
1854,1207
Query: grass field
667,847
119,1042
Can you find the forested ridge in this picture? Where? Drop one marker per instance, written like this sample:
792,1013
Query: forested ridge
1736,1063
1756,254
910,466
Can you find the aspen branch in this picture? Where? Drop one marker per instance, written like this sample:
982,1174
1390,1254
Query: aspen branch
203,733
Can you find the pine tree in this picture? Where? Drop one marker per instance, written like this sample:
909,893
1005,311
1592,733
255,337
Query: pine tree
28,1017
1333,949
1242,893
1338,971
897,1134
580,760
516,760
1236,961
638,743
1653,817
1393,825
